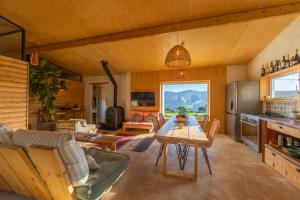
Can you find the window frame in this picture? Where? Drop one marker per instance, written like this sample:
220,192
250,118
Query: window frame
282,75
162,83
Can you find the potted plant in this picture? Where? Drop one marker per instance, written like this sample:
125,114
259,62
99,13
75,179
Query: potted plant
44,83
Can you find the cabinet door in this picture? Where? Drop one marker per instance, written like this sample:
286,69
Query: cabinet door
268,157
274,160
292,172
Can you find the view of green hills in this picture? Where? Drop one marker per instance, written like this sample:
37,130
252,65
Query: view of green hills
191,102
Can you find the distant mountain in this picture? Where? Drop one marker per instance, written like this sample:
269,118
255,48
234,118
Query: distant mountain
191,99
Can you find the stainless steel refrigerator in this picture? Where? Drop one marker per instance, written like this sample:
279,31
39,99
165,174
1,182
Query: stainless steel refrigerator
241,97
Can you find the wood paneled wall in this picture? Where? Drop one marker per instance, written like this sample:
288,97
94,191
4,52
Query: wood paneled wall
151,81
73,95
13,92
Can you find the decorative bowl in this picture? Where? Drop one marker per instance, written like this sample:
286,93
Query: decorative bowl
181,118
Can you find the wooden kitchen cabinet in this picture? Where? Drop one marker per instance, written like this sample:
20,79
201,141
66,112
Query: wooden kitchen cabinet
292,172
274,160
283,164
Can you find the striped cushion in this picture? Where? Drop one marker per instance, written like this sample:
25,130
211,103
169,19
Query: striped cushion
71,153
5,134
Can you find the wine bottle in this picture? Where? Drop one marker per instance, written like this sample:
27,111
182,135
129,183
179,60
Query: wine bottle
284,63
296,58
278,65
288,61
263,70
267,68
272,67
292,61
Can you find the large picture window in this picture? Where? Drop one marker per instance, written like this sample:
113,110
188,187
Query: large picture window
189,98
285,86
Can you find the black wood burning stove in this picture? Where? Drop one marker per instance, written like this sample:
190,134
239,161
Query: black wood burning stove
114,115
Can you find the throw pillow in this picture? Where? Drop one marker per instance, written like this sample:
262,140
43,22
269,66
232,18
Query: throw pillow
137,118
149,117
5,134
91,162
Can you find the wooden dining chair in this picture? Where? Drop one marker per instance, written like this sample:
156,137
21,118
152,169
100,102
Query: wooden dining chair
210,135
204,123
161,119
156,127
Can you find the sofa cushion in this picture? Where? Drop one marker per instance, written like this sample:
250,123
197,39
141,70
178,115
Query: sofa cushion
133,113
149,115
5,134
91,162
137,117
71,153
111,167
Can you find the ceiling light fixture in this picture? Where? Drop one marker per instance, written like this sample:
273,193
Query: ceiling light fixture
178,57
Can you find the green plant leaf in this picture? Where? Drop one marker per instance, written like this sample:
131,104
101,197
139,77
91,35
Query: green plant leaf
43,63
45,85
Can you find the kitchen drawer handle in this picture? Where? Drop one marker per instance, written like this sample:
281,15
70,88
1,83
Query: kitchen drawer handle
298,169
273,154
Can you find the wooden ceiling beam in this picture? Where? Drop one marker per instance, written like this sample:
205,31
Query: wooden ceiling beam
185,25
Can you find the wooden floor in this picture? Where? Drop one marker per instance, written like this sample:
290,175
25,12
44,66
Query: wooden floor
238,173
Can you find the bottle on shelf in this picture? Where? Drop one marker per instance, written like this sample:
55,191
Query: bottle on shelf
296,58
278,64
263,70
292,61
272,67
284,63
288,61
267,69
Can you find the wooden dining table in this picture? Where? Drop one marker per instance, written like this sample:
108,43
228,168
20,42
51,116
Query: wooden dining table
190,134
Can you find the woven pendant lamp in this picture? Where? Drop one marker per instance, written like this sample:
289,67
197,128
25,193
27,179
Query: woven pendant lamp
178,57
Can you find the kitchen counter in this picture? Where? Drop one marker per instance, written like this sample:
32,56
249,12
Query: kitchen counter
293,123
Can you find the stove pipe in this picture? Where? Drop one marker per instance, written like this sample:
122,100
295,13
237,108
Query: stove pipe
113,81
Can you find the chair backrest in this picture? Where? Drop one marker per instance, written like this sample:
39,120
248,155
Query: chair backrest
213,131
204,123
58,182
161,119
156,125
19,174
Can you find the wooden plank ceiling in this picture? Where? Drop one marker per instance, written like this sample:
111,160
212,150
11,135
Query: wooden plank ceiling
48,22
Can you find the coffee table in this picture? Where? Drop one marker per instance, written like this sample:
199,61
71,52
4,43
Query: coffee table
107,142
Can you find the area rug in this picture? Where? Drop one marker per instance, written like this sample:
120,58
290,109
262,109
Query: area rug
125,139
143,145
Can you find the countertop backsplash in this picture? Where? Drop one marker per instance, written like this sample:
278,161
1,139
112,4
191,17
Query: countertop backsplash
283,108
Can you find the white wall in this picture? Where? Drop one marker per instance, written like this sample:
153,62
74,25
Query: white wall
123,82
127,94
237,73
285,43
